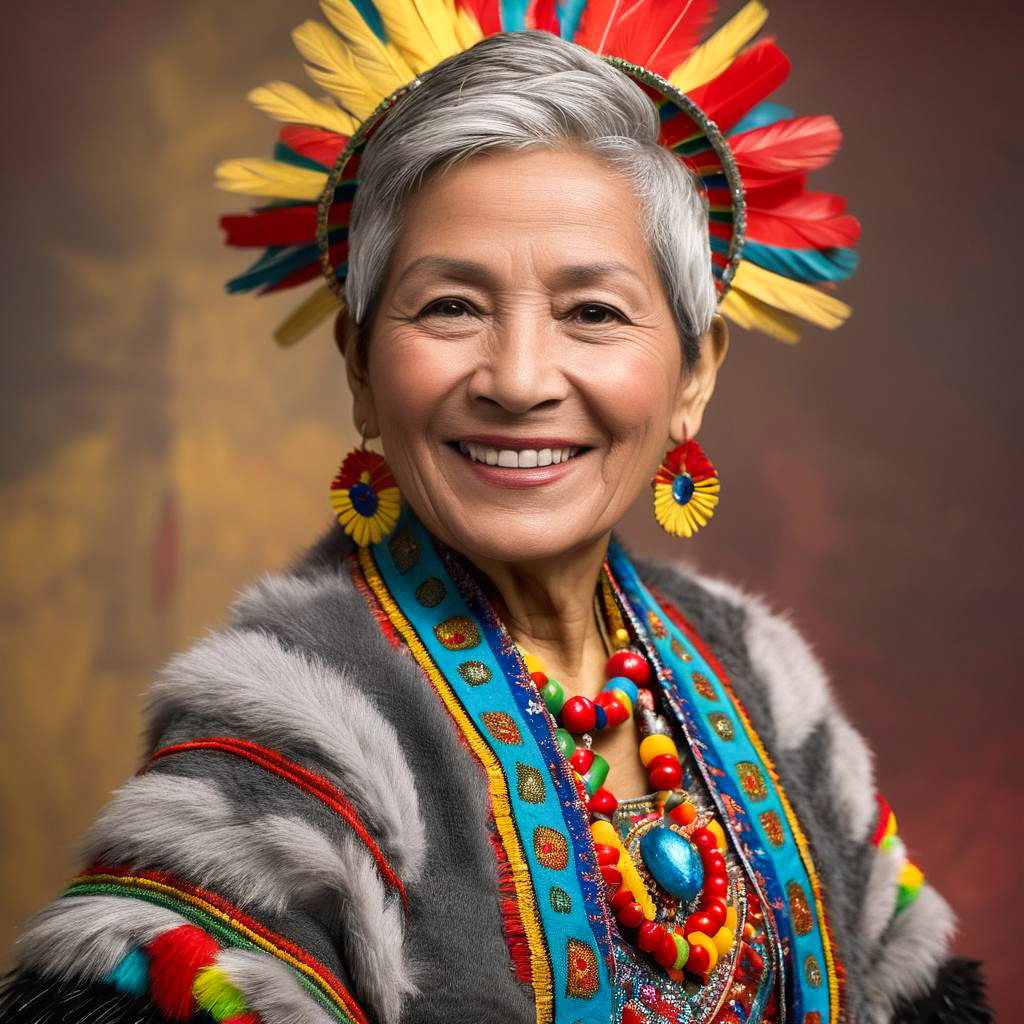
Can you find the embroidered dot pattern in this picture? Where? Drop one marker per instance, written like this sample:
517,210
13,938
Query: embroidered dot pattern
582,979
457,633
502,727
773,828
476,673
752,780
722,724
550,847
430,593
530,784
799,909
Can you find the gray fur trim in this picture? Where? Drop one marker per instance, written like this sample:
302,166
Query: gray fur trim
881,893
852,777
293,700
910,953
84,937
270,988
275,863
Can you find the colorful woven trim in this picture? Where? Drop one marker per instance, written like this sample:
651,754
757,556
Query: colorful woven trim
885,837
222,921
475,669
740,775
300,777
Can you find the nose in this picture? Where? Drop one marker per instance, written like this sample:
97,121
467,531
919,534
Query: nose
518,367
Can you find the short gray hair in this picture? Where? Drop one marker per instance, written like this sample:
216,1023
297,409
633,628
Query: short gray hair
515,90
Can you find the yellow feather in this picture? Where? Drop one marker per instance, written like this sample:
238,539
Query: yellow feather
714,55
253,176
381,63
304,318
423,30
753,315
467,30
285,102
795,297
331,66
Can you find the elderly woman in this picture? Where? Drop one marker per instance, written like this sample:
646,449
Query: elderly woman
467,760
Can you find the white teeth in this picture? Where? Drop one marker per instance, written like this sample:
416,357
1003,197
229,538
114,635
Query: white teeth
508,458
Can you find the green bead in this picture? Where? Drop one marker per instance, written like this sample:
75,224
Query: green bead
554,695
596,774
682,951
566,744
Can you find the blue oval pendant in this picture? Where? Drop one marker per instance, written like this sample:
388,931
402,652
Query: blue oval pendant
673,861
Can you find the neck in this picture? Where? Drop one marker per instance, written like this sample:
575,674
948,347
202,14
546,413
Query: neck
548,608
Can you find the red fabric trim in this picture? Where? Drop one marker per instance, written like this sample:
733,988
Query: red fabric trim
239,915
884,813
298,776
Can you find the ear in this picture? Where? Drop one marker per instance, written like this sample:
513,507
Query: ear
696,390
364,411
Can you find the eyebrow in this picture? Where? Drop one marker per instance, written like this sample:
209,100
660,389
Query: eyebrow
471,272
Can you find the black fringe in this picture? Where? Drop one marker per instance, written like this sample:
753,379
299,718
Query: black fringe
958,997
29,998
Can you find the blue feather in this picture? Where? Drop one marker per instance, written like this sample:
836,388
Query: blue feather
762,114
131,975
287,155
808,265
372,18
569,14
278,261
513,15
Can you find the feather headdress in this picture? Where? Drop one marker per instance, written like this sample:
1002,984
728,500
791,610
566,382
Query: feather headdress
773,243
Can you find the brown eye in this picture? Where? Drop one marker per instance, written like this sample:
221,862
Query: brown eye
592,313
448,308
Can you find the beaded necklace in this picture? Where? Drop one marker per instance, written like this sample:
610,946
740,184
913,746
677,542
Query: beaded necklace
684,856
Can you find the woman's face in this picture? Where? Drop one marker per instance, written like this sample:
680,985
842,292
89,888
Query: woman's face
524,370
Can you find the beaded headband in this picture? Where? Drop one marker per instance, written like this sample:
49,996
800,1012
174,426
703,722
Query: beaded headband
772,241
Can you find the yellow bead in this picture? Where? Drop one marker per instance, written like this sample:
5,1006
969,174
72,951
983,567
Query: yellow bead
723,940
700,939
749,931
911,875
716,830
890,826
653,746
620,638
730,921
603,832
531,662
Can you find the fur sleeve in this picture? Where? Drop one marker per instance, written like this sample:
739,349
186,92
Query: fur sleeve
258,865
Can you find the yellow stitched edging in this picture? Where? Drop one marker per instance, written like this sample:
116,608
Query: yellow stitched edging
805,855
209,908
542,984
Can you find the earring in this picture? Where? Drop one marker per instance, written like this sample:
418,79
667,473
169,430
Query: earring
364,496
685,490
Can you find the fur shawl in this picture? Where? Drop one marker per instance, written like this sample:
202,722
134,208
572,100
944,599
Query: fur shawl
311,793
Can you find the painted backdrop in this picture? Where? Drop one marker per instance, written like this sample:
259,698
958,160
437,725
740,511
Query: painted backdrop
158,450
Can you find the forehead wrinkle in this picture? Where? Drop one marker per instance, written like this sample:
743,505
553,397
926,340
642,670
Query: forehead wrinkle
468,271
587,273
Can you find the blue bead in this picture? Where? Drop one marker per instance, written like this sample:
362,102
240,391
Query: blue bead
602,717
673,861
363,498
627,686
682,488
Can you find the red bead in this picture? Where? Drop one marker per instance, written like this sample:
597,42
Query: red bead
714,864
665,776
716,886
613,708
631,915
704,840
540,679
698,922
578,715
613,879
657,762
715,910
665,954
603,802
629,664
621,899
631,1015
699,959
648,936
606,854
582,759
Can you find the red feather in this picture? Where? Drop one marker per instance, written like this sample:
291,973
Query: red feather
652,33
776,150
176,957
314,143
486,12
542,14
802,233
755,73
283,225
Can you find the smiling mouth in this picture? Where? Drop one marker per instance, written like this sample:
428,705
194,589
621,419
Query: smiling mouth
510,458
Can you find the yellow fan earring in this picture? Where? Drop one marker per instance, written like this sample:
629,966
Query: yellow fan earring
685,490
364,495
